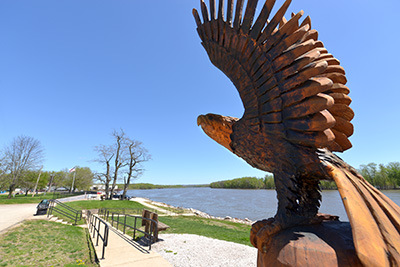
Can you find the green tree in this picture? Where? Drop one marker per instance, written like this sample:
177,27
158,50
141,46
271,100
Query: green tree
83,178
382,176
369,172
269,181
30,177
393,172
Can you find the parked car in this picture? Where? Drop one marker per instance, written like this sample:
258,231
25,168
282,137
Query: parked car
42,207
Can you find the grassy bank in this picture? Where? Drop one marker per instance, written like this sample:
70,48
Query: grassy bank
213,228
117,205
45,243
222,230
22,199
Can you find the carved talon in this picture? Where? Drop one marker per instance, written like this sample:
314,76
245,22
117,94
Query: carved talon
320,217
256,227
262,231
264,235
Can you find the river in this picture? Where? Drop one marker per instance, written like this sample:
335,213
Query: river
240,203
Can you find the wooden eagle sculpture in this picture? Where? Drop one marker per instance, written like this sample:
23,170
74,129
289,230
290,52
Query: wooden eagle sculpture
296,111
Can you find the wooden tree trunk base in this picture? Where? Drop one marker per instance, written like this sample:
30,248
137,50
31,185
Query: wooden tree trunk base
326,244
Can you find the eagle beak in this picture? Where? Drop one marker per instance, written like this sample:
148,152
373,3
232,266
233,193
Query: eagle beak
217,127
200,120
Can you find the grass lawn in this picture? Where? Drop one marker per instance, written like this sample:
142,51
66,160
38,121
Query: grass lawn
125,205
22,199
45,243
222,230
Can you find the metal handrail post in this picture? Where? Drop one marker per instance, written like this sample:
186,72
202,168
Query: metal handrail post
94,230
89,221
105,240
124,223
134,229
117,221
98,234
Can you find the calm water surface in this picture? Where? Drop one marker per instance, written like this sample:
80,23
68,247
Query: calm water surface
238,203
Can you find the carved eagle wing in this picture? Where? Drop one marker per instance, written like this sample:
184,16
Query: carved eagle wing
374,218
289,84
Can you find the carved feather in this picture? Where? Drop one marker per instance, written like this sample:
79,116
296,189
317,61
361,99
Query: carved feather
281,70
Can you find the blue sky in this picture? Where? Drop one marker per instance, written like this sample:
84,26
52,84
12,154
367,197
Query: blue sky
72,71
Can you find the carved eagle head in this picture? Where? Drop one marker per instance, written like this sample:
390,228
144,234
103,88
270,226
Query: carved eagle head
218,127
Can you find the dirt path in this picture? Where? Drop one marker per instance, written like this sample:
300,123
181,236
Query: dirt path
13,214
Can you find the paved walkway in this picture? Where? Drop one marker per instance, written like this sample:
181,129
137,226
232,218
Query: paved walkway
12,214
122,251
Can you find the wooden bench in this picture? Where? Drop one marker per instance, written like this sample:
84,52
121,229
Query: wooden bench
150,225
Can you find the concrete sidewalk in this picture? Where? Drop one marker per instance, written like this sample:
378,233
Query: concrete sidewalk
123,251
13,214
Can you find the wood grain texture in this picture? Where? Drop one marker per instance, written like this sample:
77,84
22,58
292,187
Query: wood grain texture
326,244
296,109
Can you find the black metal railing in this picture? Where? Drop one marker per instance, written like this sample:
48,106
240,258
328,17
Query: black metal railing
131,222
129,211
56,206
132,211
57,195
95,223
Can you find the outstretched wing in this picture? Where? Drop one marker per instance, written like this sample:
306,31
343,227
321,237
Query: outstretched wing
288,82
374,218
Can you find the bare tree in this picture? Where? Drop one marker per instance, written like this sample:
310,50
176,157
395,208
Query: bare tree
120,155
137,155
105,155
126,154
22,154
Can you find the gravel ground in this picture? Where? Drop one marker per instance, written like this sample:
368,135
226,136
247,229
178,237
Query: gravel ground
183,250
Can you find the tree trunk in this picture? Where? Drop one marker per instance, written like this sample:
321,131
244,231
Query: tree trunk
118,160
12,187
126,184
106,189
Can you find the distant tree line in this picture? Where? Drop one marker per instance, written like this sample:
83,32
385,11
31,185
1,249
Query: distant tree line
381,176
246,183
151,186
157,186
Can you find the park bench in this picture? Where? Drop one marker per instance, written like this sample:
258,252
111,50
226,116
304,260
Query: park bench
148,224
